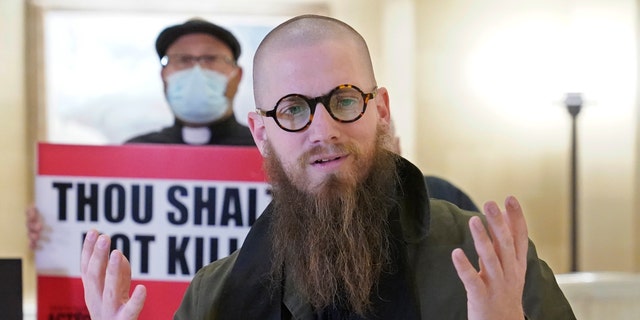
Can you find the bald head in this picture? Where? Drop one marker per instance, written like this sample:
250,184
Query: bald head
307,31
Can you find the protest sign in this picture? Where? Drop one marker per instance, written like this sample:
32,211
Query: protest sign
170,209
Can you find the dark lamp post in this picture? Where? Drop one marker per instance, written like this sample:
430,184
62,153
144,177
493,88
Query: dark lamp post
574,101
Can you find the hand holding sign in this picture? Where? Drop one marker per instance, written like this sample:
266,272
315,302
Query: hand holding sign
34,226
106,280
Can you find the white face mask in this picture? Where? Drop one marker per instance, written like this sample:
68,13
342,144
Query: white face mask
197,95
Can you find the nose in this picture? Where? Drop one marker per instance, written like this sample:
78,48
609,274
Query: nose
323,128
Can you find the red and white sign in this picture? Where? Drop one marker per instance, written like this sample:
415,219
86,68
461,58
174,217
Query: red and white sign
171,209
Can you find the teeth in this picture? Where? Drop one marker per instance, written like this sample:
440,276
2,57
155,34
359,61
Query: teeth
326,160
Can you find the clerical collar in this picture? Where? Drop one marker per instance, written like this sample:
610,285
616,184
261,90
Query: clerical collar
196,135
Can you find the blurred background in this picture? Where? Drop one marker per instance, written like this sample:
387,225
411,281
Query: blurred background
477,90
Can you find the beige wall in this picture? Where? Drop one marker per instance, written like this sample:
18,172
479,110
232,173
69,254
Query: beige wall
490,83
14,171
484,109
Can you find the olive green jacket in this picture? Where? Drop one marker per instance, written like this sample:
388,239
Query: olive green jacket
236,287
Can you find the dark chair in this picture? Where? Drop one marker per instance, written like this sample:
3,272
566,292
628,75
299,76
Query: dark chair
11,289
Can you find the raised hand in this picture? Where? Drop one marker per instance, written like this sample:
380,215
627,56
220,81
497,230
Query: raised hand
106,279
495,291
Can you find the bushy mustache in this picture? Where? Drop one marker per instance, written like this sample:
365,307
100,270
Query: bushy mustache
319,150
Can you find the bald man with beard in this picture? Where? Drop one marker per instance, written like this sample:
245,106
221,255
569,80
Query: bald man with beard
351,232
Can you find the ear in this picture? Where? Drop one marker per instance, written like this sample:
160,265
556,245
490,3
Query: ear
234,82
382,103
258,130
163,76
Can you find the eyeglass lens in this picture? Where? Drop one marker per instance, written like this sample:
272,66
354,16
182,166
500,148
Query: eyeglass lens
345,104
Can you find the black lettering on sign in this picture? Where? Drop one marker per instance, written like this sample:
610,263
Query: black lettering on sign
180,248
62,188
144,251
114,196
139,216
116,201
200,203
237,208
122,243
182,216
231,207
233,245
178,254
83,200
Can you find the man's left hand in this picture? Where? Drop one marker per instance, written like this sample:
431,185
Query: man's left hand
495,291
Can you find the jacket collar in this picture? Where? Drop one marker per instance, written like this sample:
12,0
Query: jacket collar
415,216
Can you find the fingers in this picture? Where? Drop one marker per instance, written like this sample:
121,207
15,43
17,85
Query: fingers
485,248
106,279
116,290
502,240
134,305
95,253
466,272
510,237
518,226
495,290
34,226
33,239
501,246
117,280
32,215
87,249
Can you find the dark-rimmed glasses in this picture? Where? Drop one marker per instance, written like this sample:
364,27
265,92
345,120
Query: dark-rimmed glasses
294,112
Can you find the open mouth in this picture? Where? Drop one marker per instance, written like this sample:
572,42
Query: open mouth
325,160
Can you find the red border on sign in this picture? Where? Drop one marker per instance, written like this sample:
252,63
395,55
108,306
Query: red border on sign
152,161
63,298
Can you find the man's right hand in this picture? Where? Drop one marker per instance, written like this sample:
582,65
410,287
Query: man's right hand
107,279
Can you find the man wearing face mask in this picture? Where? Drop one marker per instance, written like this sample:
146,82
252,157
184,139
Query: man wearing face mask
200,76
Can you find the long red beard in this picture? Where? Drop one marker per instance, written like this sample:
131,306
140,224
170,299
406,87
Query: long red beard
333,241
